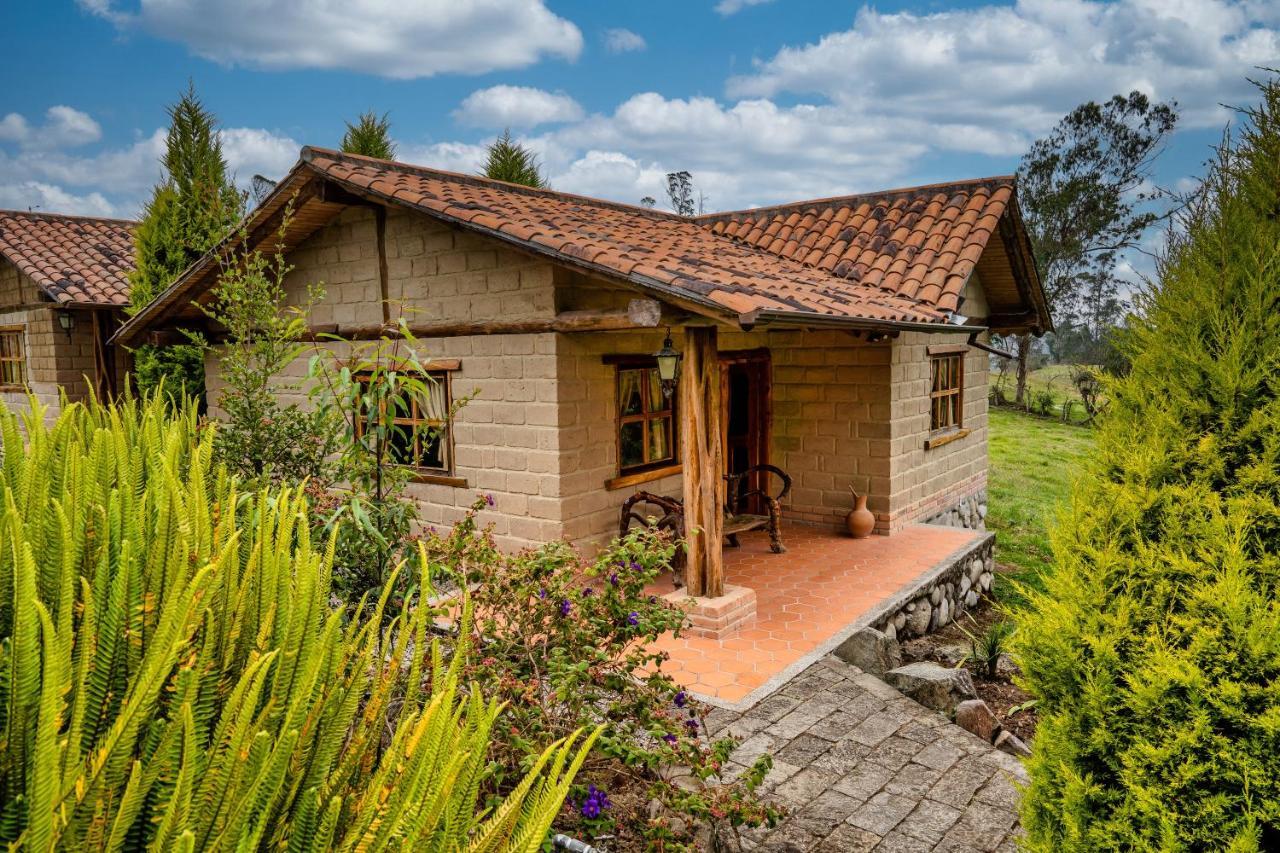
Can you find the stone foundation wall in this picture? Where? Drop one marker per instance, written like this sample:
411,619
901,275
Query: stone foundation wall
944,596
969,512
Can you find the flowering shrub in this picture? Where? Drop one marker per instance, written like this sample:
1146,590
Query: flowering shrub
567,642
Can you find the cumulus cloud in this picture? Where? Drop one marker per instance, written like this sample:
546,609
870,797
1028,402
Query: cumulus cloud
733,7
34,195
37,171
63,127
516,106
1022,67
389,38
621,40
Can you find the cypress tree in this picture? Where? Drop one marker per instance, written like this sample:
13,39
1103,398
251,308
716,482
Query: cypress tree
510,161
190,211
370,136
1154,652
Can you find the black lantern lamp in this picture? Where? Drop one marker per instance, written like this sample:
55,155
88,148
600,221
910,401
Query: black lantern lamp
668,359
67,322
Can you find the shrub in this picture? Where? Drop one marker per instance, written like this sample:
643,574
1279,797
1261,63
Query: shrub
172,677
569,643
1154,651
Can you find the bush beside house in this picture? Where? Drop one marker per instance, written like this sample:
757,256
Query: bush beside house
1155,649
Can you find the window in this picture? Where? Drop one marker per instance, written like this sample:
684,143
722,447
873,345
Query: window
947,391
646,423
13,357
422,437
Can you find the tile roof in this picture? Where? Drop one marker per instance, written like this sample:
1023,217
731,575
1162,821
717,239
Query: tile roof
674,255
897,259
920,243
73,259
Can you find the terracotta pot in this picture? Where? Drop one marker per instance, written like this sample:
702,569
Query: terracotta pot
861,521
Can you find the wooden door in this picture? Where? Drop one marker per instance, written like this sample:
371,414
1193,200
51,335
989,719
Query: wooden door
746,395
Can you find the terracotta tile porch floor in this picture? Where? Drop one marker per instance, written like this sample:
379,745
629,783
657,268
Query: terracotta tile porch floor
808,600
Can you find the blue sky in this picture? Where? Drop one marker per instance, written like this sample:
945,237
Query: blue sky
764,101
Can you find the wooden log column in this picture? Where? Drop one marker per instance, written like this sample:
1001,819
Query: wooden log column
700,447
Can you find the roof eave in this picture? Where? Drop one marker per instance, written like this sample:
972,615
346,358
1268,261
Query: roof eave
804,319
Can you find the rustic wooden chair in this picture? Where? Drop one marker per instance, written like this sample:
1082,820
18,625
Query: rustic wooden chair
743,487
666,514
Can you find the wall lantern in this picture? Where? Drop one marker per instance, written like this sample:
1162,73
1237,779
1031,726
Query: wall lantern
67,322
668,359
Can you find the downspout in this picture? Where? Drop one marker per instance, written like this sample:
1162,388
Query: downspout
977,344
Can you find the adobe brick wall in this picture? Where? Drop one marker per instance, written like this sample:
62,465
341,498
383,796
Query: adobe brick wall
927,482
53,360
830,423
506,439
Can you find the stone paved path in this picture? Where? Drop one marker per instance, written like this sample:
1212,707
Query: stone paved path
861,767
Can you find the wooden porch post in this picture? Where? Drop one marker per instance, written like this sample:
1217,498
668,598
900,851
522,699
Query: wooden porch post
700,445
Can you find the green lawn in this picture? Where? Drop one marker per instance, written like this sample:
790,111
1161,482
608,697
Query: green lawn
1033,461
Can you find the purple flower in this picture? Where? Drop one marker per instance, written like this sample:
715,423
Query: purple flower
633,618
680,699
653,599
595,803
692,726
670,738
613,578
565,607
488,499
635,567
588,592
542,593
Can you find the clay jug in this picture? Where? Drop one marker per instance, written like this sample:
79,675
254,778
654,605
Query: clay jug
860,520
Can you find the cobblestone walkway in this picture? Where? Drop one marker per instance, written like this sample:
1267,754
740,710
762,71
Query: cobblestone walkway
861,767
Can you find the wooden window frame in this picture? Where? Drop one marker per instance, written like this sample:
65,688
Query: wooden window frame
949,399
443,372
654,469
16,333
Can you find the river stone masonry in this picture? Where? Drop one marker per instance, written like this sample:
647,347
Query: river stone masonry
970,513
944,596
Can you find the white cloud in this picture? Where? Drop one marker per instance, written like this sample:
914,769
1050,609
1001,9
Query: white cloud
516,106
1019,68
389,38
733,7
34,195
619,40
64,127
113,180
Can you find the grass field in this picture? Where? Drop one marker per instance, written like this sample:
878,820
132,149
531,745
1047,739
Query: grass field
1054,380
1033,463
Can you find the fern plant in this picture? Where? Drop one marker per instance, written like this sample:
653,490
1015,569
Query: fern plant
173,678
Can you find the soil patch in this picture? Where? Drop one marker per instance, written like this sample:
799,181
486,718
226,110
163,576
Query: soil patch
949,647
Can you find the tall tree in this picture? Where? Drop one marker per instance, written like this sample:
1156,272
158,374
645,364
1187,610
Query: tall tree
370,136
684,198
1153,648
190,211
1085,199
510,161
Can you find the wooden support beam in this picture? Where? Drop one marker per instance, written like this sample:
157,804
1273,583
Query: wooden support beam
639,314
700,417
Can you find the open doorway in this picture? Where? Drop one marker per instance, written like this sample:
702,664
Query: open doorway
746,379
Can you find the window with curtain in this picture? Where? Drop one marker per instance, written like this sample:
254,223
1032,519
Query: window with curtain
13,357
646,420
421,438
946,391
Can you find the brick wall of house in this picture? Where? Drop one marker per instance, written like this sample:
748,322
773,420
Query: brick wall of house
53,358
830,427
926,482
506,440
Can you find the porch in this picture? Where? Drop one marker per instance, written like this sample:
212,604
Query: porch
808,601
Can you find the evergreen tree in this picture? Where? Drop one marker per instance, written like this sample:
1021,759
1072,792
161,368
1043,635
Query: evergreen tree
370,136
1154,650
510,161
190,211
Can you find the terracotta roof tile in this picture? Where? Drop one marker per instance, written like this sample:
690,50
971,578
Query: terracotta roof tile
688,255
920,243
73,259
